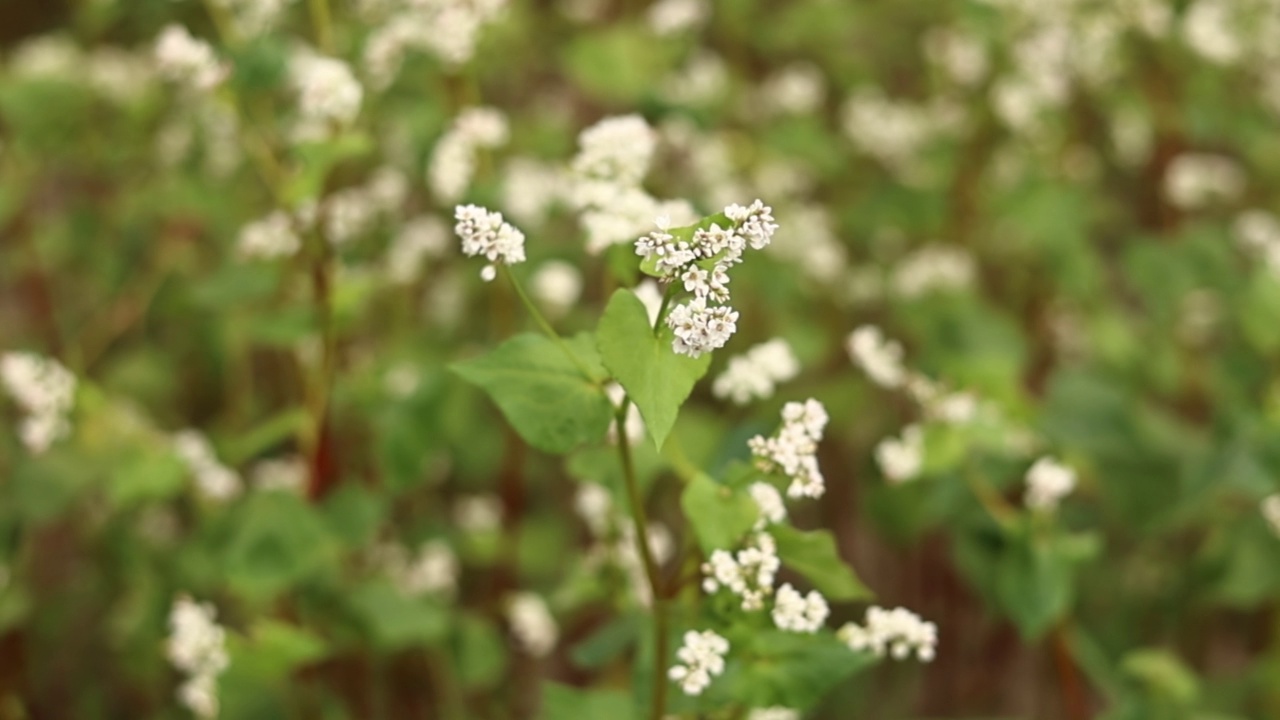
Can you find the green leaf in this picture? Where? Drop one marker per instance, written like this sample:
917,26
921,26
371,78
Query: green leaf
1163,673
274,649
720,516
481,653
793,670
606,643
541,392
561,702
396,621
656,379
1034,585
813,554
279,541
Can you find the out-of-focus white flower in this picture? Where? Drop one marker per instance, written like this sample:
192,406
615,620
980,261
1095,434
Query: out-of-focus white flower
1048,481
1212,30
612,160
749,573
46,392
959,54
425,236
214,480
634,422
532,623
795,89
755,373
897,632
185,59
328,91
1270,508
901,459
669,17
253,17
594,505
933,268
893,132
1132,136
197,648
793,449
810,241
432,570
772,507
1258,234
557,285
453,160
702,81
47,57
269,238
774,713
447,29
478,513
1194,180
878,356
799,613
287,474
485,233
661,546
530,188
701,658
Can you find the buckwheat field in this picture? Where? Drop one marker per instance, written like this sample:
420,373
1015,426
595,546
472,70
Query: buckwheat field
632,360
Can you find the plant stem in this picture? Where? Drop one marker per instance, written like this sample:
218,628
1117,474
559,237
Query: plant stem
662,309
657,591
323,24
322,384
996,506
546,326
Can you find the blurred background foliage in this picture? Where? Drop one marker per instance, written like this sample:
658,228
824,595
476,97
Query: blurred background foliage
1063,207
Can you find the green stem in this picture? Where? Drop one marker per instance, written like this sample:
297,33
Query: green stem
659,697
541,320
323,22
662,309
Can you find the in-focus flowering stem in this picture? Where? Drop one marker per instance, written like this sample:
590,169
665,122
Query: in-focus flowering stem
545,326
658,592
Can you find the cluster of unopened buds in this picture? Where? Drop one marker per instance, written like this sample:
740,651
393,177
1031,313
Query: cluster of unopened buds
700,261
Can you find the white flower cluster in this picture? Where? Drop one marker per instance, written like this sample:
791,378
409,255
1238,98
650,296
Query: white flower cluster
486,233
1194,180
1270,508
447,29
287,475
1214,31
453,159
899,632
901,459
605,182
1258,233
774,713
269,238
478,513
878,356
188,60
530,188
793,449
1048,481
197,648
706,322
433,570
810,240
46,392
422,237
353,211
933,268
532,624
670,17
795,89
749,573
772,507
755,373
895,132
701,658
214,480
799,613
328,92
252,18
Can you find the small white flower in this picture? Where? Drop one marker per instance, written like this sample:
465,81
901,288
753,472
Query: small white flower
433,570
901,459
772,507
45,390
878,356
557,285
484,233
478,513
532,623
897,632
669,17
701,658
281,475
328,92
197,648
1048,481
933,268
1194,180
774,713
183,58
756,373
213,479
594,505
799,613
425,236
793,449
749,573
269,238
1270,507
